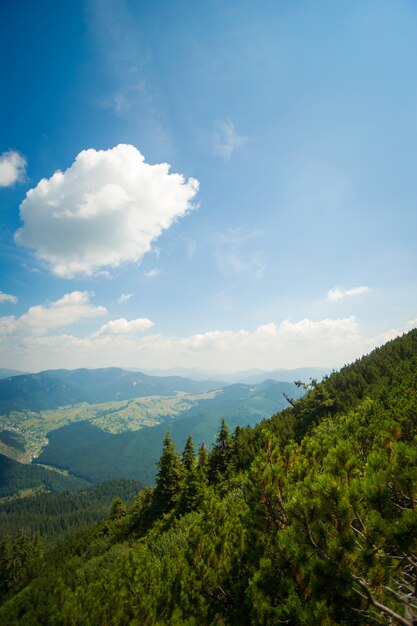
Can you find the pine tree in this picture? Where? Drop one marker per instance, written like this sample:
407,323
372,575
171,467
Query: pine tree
191,482
168,478
221,454
188,456
117,509
203,463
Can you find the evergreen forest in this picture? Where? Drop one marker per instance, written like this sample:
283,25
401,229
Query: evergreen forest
309,517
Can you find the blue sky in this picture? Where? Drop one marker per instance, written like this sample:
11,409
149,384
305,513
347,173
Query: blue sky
283,234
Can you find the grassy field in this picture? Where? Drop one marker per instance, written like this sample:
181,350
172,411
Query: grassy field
23,435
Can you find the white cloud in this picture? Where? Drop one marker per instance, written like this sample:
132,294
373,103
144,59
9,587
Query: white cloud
122,55
191,247
7,297
12,168
124,327
41,319
234,253
337,293
124,297
31,342
103,211
225,139
153,273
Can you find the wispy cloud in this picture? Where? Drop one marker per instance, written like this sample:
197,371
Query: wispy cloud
191,247
234,252
126,58
12,168
225,139
337,293
153,273
124,297
7,297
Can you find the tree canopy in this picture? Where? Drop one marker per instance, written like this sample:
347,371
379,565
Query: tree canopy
308,518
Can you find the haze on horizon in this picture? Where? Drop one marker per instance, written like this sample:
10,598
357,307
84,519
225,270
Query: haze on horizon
219,186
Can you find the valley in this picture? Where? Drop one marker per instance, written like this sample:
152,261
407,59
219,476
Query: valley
26,431
114,426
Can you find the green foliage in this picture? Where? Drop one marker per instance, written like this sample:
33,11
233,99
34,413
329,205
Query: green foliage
221,455
54,388
15,477
20,560
56,515
308,518
86,450
168,478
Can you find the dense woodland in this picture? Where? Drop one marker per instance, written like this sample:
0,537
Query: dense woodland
53,516
16,477
308,518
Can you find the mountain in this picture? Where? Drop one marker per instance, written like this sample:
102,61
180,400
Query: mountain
305,374
247,376
55,515
54,388
7,373
16,477
93,454
309,517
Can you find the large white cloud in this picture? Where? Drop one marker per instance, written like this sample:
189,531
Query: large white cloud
12,168
103,211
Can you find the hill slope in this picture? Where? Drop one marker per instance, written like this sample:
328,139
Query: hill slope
55,515
15,477
54,388
8,373
95,455
308,518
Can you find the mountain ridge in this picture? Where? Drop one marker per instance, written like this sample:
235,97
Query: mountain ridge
51,389
310,517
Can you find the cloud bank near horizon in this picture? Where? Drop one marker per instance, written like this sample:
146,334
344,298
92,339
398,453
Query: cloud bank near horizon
30,342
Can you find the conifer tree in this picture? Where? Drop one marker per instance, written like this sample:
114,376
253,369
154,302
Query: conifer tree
168,478
191,482
20,559
188,456
117,509
221,454
203,463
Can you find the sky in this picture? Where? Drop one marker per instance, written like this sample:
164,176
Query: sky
222,185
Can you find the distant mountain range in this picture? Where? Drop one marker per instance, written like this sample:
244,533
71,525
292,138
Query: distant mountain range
54,388
109,423
246,376
105,383
95,455
7,373
15,477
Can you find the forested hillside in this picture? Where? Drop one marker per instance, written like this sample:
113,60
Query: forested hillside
95,455
55,515
54,388
308,518
15,477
